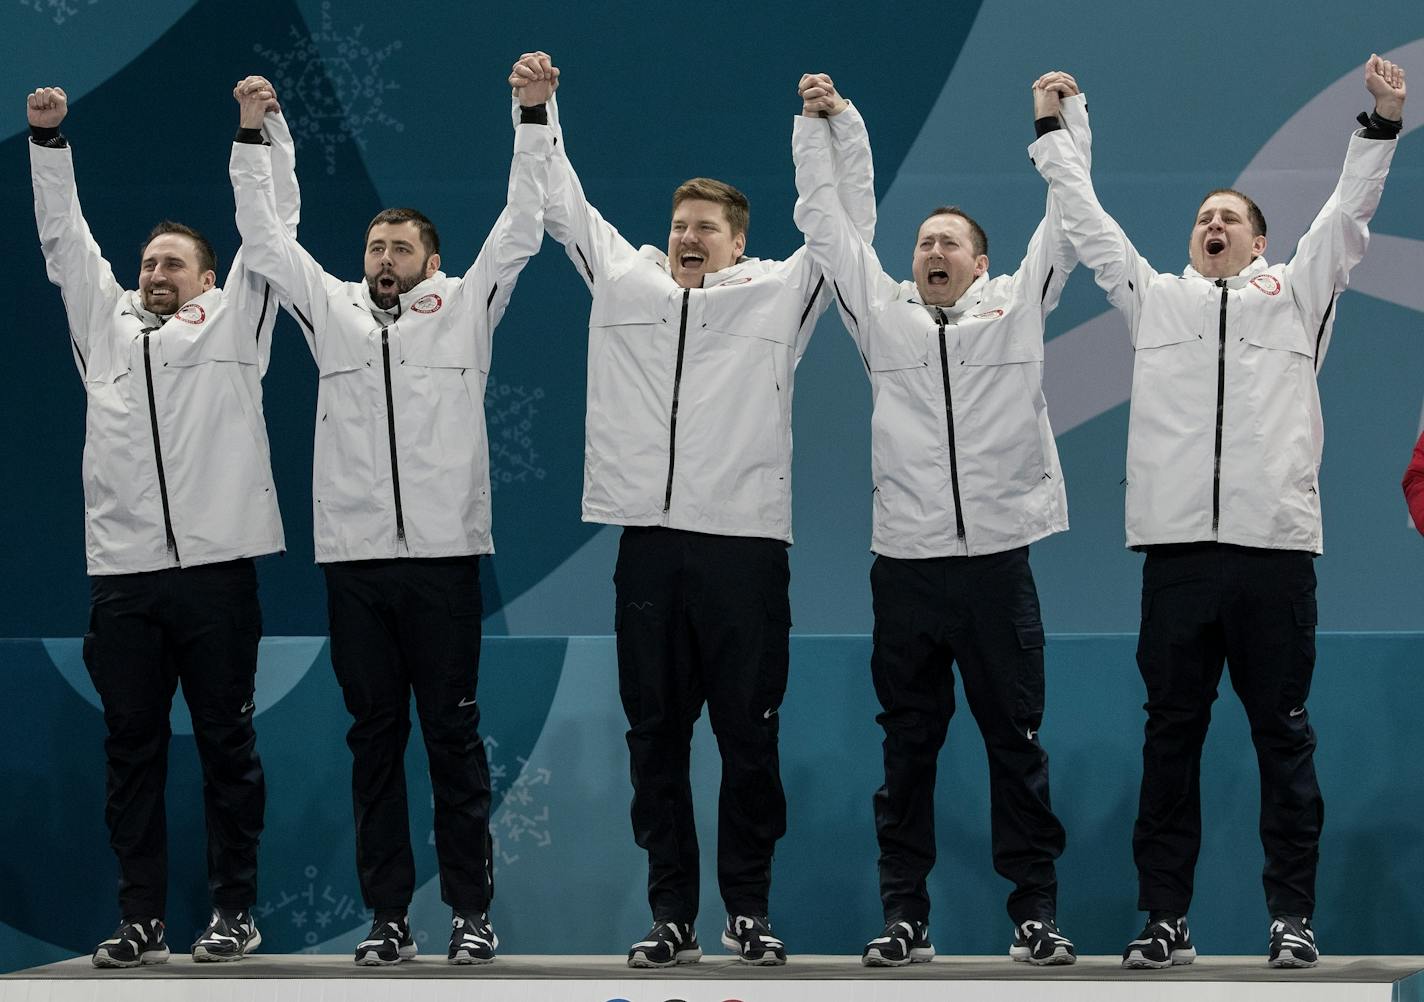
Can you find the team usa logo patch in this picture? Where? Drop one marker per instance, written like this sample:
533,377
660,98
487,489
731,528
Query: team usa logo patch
191,314
1268,284
428,303
990,315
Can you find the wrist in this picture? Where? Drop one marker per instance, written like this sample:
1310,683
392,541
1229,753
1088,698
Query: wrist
48,136
534,114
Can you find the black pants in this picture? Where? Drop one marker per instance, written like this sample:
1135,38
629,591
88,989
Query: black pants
703,618
981,613
1254,610
147,632
398,626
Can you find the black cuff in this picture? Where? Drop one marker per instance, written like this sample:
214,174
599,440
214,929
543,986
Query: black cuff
1043,126
537,115
253,137
1376,126
49,138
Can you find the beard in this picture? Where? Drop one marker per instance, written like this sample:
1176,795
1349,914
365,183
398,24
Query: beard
389,299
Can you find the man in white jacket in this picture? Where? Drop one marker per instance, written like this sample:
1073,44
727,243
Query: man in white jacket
402,514
966,476
1223,458
178,500
692,355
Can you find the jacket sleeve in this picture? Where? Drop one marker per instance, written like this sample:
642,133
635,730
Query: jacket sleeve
594,246
72,258
835,243
1099,241
516,234
1414,485
250,292
269,248
854,169
1337,239
1050,257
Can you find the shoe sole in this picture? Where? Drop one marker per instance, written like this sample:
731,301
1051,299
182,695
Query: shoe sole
640,960
149,957
370,958
919,955
201,954
1292,962
1179,958
466,961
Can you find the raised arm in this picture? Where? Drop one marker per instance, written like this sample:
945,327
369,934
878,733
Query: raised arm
250,292
265,188
72,258
836,244
519,230
591,242
1097,239
850,149
1337,239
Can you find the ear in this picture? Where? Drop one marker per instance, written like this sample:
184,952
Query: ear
1258,245
739,244
981,265
432,265
208,279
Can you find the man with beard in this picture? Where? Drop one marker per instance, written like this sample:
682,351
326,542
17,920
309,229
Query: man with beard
1223,459
966,477
692,353
402,513
179,499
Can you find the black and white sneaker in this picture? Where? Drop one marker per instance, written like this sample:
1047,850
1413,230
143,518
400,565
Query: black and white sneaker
750,938
1039,942
1293,942
666,944
231,935
1161,944
472,939
136,941
903,942
387,943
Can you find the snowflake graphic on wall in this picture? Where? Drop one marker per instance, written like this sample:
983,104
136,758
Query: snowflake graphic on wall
333,98
311,910
59,10
509,415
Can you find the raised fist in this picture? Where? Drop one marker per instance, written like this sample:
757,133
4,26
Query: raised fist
1049,91
535,77
1385,81
47,107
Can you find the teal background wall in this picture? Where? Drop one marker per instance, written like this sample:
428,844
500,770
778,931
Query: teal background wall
407,105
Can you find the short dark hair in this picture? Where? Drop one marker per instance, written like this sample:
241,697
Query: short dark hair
981,240
207,257
1258,220
429,237
733,202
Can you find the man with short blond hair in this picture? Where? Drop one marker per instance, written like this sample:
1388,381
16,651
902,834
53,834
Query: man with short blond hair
692,357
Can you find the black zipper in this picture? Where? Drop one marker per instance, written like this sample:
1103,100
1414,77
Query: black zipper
949,420
171,540
676,389
1220,409
391,429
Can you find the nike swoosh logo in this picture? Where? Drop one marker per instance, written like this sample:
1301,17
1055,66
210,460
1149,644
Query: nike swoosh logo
769,714
467,702
248,707
1297,711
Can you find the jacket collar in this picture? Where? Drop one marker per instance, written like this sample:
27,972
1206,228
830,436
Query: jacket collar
406,298
1237,281
743,266
971,298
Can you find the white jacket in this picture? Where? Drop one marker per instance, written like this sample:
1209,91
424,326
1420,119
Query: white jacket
176,465
1225,432
962,454
401,461
689,390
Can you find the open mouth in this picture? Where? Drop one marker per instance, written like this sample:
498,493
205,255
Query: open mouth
1215,246
938,276
386,283
691,260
